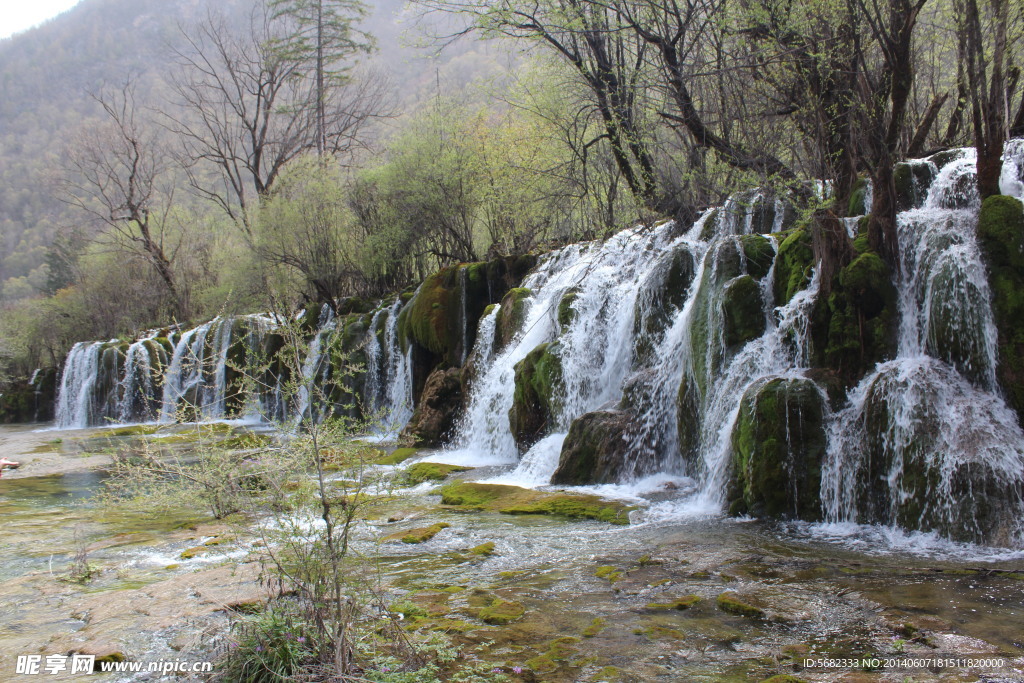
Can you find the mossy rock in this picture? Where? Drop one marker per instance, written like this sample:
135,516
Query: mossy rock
397,456
511,316
728,309
515,500
193,552
595,450
537,396
857,205
566,313
794,265
743,309
1001,238
420,535
907,487
683,603
483,550
855,328
430,471
437,413
500,612
912,180
778,445
759,254
660,298
731,603
609,573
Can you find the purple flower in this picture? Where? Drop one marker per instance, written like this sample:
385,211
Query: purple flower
495,670
259,648
517,669
301,639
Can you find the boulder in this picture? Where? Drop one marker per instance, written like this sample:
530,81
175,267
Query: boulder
511,316
912,180
595,450
1001,237
663,294
778,443
538,395
439,407
915,470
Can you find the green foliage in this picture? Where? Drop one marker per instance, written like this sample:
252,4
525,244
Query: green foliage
268,647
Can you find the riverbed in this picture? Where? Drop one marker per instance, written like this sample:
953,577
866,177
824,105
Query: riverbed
601,602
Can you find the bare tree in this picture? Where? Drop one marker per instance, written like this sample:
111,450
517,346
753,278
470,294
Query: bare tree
248,108
118,176
987,84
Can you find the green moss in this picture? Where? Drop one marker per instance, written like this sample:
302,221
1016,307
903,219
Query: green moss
609,674
596,626
135,430
429,315
743,310
683,603
557,651
501,612
430,471
193,552
566,313
537,396
397,456
856,327
778,445
730,602
408,609
1001,236
515,500
483,550
758,253
246,442
608,572
511,316
783,678
794,265
857,205
420,535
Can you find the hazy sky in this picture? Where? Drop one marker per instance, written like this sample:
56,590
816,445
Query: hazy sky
18,15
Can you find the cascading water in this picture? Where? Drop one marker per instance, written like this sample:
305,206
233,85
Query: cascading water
925,441
314,367
75,397
388,390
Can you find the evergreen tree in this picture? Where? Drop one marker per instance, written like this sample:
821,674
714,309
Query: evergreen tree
324,35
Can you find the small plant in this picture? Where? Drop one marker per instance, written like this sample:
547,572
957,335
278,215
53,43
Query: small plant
79,569
270,646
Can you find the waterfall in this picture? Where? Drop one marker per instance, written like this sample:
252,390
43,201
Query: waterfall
595,350
314,367
925,440
75,397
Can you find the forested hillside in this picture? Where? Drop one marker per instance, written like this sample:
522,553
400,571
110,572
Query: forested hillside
48,73
168,161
